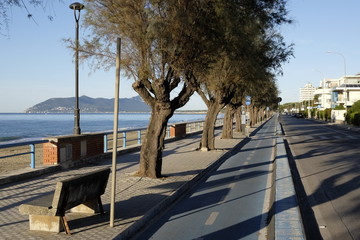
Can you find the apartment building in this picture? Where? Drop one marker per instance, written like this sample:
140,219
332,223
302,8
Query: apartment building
342,91
307,92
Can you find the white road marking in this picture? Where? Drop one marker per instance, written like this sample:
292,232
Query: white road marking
266,207
211,219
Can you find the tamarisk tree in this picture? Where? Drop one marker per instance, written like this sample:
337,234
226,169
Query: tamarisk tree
251,50
164,43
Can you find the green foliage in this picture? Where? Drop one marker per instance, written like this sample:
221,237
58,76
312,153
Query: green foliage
355,107
356,119
353,118
324,115
353,114
340,107
313,113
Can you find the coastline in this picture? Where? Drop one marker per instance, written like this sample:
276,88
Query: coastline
81,112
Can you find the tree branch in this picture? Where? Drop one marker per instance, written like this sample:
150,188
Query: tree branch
141,89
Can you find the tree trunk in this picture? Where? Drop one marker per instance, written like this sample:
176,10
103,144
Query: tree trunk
252,115
151,149
227,132
256,115
262,114
238,120
208,137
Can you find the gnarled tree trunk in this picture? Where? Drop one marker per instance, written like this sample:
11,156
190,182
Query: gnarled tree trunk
162,109
152,147
208,137
227,132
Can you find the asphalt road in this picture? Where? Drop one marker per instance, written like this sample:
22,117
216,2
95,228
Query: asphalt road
328,161
232,203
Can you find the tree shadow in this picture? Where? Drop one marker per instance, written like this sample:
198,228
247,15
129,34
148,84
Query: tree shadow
338,171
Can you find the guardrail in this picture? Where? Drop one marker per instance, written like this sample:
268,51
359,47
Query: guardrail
18,144
127,137
135,136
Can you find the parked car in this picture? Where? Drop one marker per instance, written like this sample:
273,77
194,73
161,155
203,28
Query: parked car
300,115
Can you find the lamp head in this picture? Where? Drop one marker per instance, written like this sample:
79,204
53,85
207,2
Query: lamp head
76,6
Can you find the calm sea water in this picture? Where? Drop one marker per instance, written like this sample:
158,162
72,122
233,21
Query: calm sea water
19,126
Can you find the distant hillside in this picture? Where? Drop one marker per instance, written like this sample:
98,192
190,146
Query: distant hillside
89,105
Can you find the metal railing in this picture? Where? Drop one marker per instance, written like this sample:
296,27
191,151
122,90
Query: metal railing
31,145
127,138
135,136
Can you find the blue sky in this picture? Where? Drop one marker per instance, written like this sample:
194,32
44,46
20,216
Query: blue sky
320,26
36,65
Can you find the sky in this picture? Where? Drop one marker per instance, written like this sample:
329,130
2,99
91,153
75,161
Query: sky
35,64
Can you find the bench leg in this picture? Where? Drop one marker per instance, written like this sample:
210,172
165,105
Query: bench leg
66,225
100,206
90,207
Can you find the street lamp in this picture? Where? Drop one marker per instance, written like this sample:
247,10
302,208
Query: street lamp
77,7
342,57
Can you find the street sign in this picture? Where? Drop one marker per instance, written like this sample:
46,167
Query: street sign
247,100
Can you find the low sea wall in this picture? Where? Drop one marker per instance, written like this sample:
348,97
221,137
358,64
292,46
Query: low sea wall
71,150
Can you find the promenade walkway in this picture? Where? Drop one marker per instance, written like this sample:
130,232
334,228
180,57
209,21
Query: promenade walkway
137,199
135,196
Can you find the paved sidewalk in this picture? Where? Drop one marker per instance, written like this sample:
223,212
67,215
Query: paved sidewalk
137,199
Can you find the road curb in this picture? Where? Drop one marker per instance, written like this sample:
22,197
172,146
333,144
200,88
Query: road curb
287,218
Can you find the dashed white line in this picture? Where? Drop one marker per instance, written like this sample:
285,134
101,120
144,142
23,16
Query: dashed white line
211,219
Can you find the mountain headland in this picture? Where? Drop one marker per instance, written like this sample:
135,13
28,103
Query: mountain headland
89,105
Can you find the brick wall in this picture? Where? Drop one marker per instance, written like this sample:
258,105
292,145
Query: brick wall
72,148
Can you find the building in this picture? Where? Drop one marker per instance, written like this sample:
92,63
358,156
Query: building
342,91
307,92
323,94
347,91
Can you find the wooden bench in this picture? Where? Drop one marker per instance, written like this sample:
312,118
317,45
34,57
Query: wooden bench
77,194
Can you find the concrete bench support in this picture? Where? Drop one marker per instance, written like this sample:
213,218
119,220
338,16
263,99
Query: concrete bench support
45,223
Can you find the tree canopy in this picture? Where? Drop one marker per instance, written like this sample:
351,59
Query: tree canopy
171,48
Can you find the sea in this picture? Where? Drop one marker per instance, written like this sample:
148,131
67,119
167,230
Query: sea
16,127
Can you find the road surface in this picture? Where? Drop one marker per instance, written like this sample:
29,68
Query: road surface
232,203
328,160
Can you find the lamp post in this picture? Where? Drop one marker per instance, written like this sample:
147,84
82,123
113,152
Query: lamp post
337,53
77,7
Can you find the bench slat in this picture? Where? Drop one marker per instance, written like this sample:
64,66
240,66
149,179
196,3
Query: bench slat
74,191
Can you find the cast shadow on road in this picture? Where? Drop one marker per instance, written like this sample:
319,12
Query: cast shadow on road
206,200
343,178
